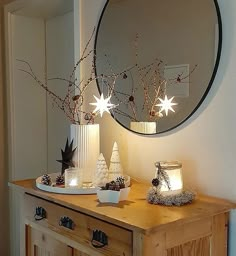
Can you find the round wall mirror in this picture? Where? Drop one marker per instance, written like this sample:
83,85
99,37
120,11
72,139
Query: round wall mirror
166,54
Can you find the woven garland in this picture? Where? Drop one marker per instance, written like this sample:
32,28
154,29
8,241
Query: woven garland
154,196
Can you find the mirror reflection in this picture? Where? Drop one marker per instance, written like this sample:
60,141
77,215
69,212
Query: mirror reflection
170,51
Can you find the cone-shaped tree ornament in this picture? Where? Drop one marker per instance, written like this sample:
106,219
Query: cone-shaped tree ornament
115,169
101,173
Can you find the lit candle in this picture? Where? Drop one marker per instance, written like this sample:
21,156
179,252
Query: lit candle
73,178
170,174
73,183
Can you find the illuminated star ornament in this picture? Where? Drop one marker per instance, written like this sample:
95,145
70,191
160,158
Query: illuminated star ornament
102,105
166,104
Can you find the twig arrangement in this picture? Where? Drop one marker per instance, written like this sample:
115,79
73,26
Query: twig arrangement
72,102
150,80
150,86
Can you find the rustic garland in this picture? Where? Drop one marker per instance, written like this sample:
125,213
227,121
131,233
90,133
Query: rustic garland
154,196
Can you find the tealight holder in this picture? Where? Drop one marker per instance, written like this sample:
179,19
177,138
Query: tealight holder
172,184
73,178
167,185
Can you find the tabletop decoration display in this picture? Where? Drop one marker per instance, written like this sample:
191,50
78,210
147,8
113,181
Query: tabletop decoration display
84,131
167,186
71,180
114,191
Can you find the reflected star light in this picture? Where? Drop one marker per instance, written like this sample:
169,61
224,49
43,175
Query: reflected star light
102,105
166,104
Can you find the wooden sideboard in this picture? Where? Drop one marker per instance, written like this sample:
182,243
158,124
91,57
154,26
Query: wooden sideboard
132,227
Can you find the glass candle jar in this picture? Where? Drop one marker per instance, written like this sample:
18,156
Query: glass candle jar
73,178
170,175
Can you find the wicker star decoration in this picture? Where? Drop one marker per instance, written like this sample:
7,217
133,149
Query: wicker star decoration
67,156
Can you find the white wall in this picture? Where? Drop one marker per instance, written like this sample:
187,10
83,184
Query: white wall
27,100
26,111
36,127
60,63
205,144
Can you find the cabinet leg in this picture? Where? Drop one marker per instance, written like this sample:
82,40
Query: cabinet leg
219,234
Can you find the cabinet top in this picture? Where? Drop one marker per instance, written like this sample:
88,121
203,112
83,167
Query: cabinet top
135,213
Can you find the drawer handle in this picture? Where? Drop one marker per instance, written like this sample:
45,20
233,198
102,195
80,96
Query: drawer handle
67,222
40,213
99,239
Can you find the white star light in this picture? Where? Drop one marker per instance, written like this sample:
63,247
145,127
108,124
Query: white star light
166,104
102,105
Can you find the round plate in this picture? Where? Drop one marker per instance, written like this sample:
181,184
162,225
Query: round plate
62,190
72,191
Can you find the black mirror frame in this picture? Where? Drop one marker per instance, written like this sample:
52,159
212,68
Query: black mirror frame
208,87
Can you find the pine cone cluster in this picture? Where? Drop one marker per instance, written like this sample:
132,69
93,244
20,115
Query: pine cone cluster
46,180
112,185
121,181
116,185
60,180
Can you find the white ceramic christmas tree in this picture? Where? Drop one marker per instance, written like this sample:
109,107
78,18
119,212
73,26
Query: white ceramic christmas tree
115,169
101,173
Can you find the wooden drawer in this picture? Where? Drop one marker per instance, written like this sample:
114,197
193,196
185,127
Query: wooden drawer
119,239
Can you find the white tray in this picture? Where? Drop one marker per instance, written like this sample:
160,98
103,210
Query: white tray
71,191
61,190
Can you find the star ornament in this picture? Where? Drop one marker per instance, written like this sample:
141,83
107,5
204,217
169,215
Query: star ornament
102,105
166,104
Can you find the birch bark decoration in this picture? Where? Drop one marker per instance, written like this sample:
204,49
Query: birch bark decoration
115,169
101,173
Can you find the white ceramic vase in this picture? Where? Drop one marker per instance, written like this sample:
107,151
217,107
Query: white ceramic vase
143,127
86,139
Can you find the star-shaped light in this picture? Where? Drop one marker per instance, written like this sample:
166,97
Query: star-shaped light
166,104
102,105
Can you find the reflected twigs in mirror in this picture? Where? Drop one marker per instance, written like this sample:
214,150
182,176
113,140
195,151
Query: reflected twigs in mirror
186,47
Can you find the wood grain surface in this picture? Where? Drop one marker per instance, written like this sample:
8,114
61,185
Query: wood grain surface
136,213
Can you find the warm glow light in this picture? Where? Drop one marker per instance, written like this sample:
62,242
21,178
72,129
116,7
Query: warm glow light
73,178
102,105
176,182
166,104
73,183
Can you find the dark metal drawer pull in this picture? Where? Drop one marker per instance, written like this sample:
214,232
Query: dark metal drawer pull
67,222
40,213
99,239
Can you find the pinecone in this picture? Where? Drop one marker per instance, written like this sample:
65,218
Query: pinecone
46,180
121,181
60,180
111,185
155,182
